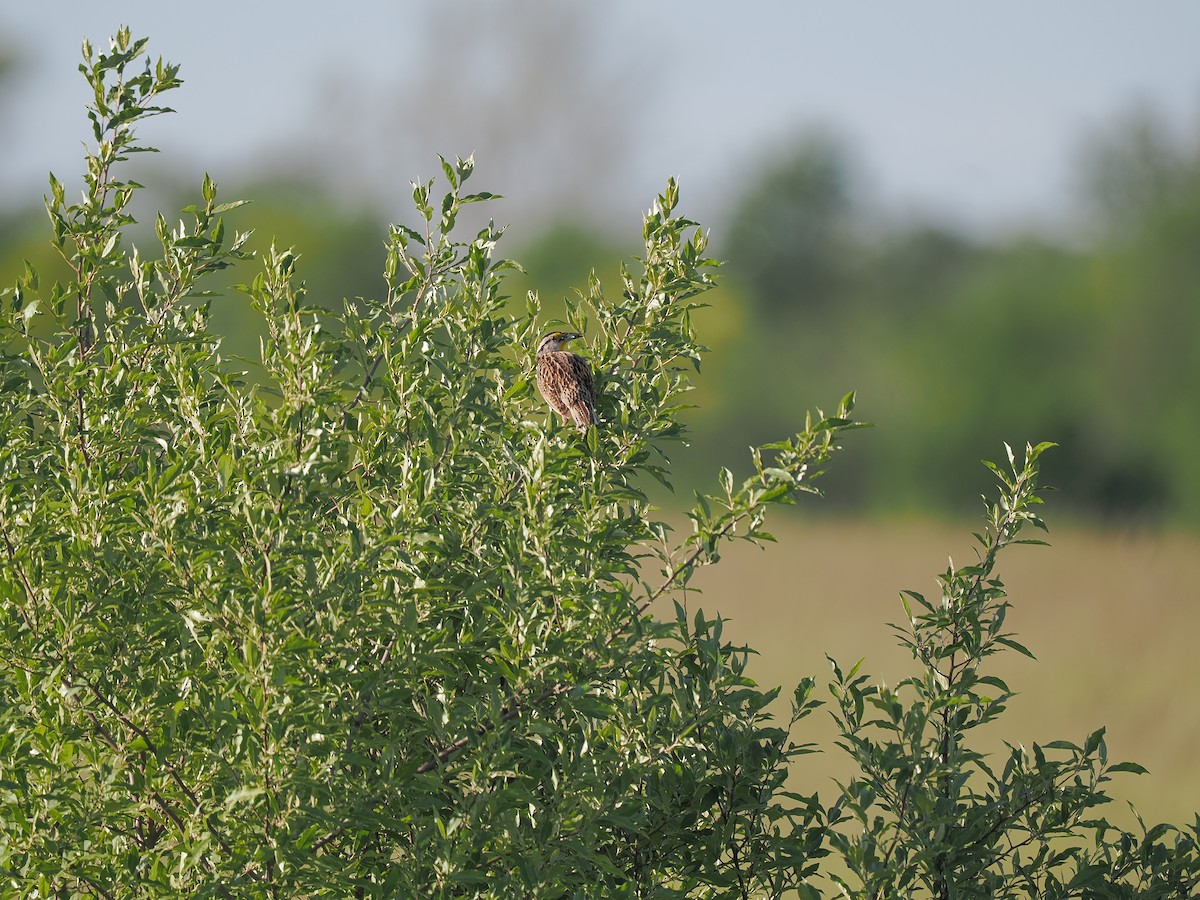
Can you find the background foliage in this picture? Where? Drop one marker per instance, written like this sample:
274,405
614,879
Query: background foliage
1080,336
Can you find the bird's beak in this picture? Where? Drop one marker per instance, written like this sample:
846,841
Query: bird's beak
572,335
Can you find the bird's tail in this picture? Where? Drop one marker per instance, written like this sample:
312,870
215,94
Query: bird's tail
584,415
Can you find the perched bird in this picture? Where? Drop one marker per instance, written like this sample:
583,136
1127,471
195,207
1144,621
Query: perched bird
565,380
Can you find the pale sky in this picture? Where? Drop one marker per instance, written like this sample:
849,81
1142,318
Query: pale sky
969,111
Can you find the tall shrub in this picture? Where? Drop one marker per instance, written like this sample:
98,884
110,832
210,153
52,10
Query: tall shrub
375,624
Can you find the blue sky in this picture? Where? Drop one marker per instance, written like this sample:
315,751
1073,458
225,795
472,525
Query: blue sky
970,112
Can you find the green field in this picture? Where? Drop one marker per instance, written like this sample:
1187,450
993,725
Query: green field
1112,618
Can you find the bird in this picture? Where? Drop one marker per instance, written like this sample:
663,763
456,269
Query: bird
565,380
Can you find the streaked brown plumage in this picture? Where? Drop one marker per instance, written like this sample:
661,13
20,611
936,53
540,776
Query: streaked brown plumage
565,380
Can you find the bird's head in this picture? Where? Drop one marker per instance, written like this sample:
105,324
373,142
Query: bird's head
555,339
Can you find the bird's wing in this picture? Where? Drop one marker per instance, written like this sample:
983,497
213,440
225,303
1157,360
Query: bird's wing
583,392
553,377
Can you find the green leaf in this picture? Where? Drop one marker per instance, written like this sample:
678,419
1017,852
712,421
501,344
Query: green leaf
1094,742
1128,767
1015,645
242,795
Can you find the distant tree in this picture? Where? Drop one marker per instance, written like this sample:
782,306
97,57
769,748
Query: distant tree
918,264
1141,186
1135,168
790,236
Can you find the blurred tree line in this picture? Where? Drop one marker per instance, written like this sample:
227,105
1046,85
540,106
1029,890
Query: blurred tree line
934,328
824,291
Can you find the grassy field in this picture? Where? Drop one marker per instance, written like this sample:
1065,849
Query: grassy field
1112,618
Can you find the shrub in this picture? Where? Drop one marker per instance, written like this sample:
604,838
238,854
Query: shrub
376,624
928,815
